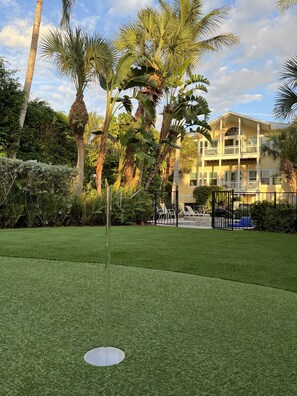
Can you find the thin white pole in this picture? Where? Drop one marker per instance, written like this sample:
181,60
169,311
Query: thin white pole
107,268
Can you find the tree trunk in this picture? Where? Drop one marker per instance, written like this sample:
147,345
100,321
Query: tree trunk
80,163
161,152
129,165
30,69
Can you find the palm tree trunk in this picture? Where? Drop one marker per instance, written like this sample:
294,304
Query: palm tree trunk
80,163
30,69
129,165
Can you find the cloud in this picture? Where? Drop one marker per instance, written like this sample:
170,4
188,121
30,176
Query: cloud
124,7
8,3
18,33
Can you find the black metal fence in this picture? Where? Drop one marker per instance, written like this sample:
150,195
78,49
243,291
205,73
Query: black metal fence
232,209
166,208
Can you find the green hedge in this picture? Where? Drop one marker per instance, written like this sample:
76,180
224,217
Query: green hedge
34,194
281,217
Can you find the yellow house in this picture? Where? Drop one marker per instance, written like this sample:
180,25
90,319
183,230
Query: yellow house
234,160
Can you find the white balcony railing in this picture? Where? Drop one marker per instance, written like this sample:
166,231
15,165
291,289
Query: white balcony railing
245,186
249,149
211,151
230,150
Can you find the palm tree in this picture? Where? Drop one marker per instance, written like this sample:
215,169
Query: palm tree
285,4
67,6
170,37
283,147
286,100
82,58
118,79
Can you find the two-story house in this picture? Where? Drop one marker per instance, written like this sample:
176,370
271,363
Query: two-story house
234,159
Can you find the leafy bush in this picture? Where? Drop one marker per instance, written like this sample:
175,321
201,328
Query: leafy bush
34,194
203,195
277,218
90,209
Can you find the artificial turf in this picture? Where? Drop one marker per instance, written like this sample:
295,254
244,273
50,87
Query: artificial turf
183,334
268,259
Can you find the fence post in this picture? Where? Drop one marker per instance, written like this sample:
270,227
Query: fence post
274,201
155,193
176,206
213,203
232,208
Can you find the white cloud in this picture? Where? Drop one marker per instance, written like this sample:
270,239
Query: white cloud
124,7
18,33
8,3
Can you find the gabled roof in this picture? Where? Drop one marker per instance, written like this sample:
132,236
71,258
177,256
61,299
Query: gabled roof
264,125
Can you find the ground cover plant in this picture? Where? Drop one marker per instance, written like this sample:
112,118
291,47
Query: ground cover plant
182,333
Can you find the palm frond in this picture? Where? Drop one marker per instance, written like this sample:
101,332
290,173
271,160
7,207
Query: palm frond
285,4
286,103
67,6
289,72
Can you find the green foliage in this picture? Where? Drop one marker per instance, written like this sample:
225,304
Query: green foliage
47,136
277,218
34,194
11,99
203,194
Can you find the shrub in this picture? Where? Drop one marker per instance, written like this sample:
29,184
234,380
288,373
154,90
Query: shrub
280,217
203,195
34,194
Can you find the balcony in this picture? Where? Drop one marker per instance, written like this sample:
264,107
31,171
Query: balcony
232,151
243,186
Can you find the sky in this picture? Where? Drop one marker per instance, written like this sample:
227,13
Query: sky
243,79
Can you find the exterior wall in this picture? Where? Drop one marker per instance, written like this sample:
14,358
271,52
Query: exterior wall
234,161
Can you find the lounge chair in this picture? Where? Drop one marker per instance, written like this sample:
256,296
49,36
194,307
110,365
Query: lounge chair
166,213
244,222
190,212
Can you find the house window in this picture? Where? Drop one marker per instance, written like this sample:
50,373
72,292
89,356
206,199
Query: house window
252,141
193,179
276,179
201,143
265,175
213,178
232,131
252,176
202,175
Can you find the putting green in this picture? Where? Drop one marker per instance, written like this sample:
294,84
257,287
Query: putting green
182,334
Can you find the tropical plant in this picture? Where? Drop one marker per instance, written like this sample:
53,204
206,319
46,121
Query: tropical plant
48,136
167,38
122,77
67,6
282,146
11,99
286,100
81,57
184,111
189,155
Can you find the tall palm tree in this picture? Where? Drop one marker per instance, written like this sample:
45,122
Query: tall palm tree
286,99
81,57
67,6
283,147
172,36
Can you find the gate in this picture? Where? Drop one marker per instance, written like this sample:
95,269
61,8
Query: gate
223,209
165,212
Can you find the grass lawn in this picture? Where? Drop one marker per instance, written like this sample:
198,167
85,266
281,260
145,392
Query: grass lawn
183,334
